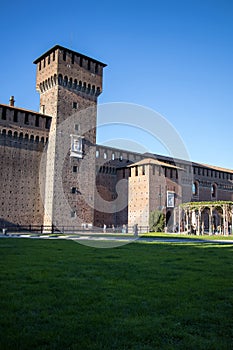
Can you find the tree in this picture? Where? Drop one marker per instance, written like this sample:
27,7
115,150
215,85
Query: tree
156,221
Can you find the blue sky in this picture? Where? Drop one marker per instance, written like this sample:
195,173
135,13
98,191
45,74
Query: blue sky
173,56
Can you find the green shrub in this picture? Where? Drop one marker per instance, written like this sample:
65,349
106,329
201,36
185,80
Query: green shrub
156,221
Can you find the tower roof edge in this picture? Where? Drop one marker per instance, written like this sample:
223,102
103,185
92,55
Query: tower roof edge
68,50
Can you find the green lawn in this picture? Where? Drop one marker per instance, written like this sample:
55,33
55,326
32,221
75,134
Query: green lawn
57,294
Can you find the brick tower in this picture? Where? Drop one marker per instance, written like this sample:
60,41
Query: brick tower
69,84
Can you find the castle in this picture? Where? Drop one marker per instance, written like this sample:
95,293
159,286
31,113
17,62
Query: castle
53,174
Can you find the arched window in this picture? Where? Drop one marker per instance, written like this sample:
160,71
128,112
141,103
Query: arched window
105,155
15,134
75,84
9,133
195,188
65,82
60,79
214,190
70,83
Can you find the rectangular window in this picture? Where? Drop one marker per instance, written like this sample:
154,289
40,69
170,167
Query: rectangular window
15,118
40,65
54,56
123,174
47,123
143,170
49,59
136,171
75,169
64,55
76,127
72,58
37,121
81,62
96,68
129,172
75,105
89,65
44,62
4,113
26,119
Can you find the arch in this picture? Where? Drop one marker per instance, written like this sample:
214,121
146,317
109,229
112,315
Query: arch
9,133
15,134
75,84
43,84
84,86
55,79
93,89
97,91
20,135
60,79
105,155
26,136
37,139
70,83
65,81
88,88
41,87
42,139
32,138
49,83
52,82
4,132
169,220
46,84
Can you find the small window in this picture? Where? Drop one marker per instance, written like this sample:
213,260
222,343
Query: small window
89,65
136,171
105,155
73,214
81,62
64,55
75,169
143,170
96,68
73,190
121,158
54,56
72,58
75,105
44,62
37,121
76,127
4,113
213,190
113,156
40,65
47,123
97,153
15,118
195,188
123,174
26,119
49,59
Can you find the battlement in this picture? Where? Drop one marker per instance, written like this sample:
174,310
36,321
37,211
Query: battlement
70,69
24,124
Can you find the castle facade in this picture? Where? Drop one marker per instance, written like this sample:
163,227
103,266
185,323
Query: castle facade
53,174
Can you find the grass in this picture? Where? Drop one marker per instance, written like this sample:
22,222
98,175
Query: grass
57,294
192,236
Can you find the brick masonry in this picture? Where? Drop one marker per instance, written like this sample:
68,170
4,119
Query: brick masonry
45,180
